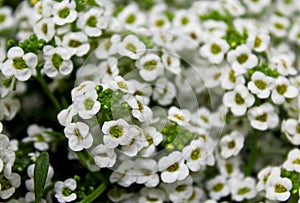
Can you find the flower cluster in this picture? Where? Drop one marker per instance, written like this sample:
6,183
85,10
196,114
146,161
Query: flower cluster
150,101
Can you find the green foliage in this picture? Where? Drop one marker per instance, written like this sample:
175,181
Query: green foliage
40,175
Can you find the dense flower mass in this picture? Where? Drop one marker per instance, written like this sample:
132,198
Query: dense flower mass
150,101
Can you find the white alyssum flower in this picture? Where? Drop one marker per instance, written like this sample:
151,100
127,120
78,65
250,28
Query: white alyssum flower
279,188
258,41
57,60
153,138
150,66
283,89
283,63
242,188
218,187
82,89
124,175
8,184
263,117
152,195
119,83
181,189
234,7
116,132
139,109
79,136
76,43
103,156
19,64
6,20
242,59
294,34
293,161
145,171
264,177
279,25
179,116
108,47
185,20
164,91
131,47
64,12
215,50
291,129
257,6
171,63
230,167
238,100
172,167
109,69
9,107
261,85
202,118
45,29
39,136
231,144
64,191
65,116
230,79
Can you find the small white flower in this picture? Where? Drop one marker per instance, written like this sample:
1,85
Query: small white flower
131,17
172,167
264,178
9,107
131,47
263,117
215,28
84,88
185,19
65,116
257,6
259,42
108,47
6,18
64,190
79,136
57,60
283,63
150,67
8,185
283,89
139,109
64,12
234,7
230,167
181,189
152,195
215,50
229,79
120,83
238,100
261,85
124,175
104,156
242,188
154,138
179,116
76,43
116,133
294,34
218,187
145,172
20,65
158,20
45,29
291,128
38,135
293,161
109,69
279,25
231,144
279,188
202,117
164,91
171,63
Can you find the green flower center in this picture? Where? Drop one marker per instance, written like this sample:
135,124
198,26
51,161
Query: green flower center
74,43
257,42
131,47
196,154
131,19
229,168
122,85
88,103
262,118
181,188
215,49
179,117
218,187
296,161
160,23
242,58
45,28
39,137
78,134
152,199
116,131
2,18
204,118
239,99
63,13
92,21
149,139
266,177
231,144
298,35
4,183
279,26
279,188
298,128
66,191
56,60
19,63
107,45
193,196
140,106
260,84
281,89
184,21
243,191
231,76
174,167
150,65
7,82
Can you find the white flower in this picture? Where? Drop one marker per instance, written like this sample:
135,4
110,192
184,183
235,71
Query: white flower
295,33
259,42
57,60
283,89
279,188
164,91
131,47
124,175
263,117
45,29
64,190
139,109
9,107
120,83
231,144
6,20
234,7
116,133
131,18
256,6
38,135
104,156
218,187
261,85
264,178
179,116
84,88
229,79
150,66
202,117
291,128
152,195
283,63
108,47
214,28
172,167
154,138
92,21
215,50
64,12
238,100
293,161
20,65
279,25
145,172
8,184
230,167
158,20
109,69
242,188
185,19
65,116
76,43
242,59
79,136
181,189
171,63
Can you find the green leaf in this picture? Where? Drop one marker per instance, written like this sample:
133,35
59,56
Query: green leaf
40,175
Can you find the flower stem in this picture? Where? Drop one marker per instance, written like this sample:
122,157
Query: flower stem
253,153
96,193
47,91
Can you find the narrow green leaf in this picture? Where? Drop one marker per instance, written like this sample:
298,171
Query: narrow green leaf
40,175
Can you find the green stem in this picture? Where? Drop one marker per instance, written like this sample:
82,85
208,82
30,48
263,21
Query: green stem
47,91
96,193
253,153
